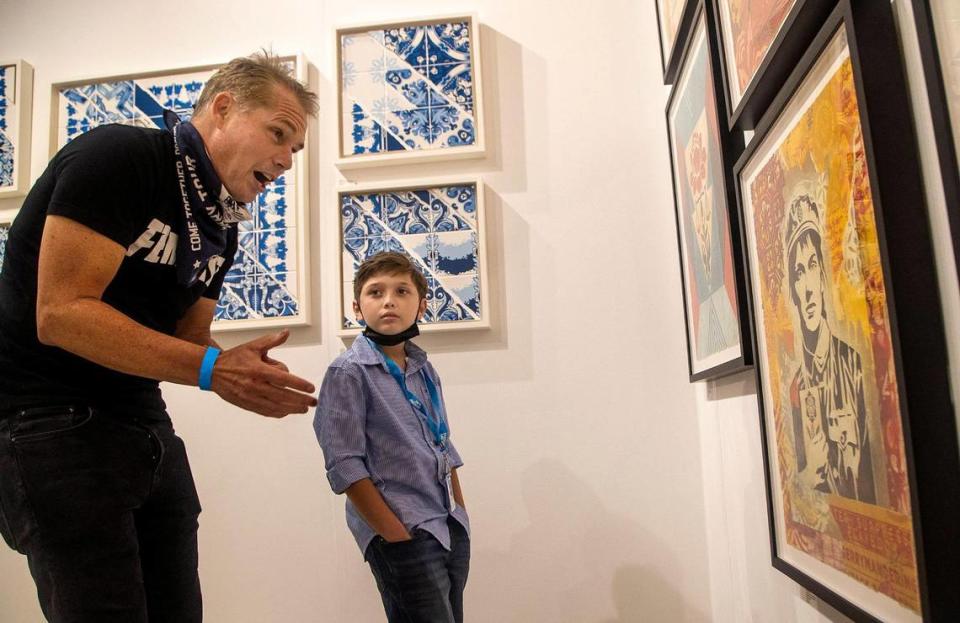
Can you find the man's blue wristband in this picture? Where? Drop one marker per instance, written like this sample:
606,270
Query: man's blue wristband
206,367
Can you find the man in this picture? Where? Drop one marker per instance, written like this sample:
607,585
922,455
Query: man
109,285
829,411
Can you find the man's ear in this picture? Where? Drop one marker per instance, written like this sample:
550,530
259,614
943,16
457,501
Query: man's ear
222,105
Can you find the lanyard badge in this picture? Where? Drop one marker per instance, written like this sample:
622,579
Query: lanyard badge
437,425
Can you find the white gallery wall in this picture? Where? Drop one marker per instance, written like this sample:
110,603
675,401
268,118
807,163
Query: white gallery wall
602,486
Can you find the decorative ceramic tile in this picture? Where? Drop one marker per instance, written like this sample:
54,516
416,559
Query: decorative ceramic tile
437,227
16,94
7,80
263,282
4,234
136,101
408,88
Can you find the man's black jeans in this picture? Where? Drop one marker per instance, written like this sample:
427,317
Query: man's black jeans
105,509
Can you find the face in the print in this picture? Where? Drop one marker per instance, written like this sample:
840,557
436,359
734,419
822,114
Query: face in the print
807,283
389,303
253,145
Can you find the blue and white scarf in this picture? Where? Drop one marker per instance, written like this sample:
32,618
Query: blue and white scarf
208,209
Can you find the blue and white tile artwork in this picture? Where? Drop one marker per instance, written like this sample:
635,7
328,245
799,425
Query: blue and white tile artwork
8,79
408,89
436,227
4,234
263,281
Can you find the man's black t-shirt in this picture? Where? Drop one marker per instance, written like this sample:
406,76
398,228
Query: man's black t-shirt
121,182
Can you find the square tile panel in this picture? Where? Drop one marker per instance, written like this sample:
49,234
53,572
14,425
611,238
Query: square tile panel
407,89
7,141
4,234
436,226
16,112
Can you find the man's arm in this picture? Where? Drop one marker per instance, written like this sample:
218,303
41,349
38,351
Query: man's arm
374,510
195,325
77,264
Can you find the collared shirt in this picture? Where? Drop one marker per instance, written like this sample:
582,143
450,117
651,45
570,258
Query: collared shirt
368,429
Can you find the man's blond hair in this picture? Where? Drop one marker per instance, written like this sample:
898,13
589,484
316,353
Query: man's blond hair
251,80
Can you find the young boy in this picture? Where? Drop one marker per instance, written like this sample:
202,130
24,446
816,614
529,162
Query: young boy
382,425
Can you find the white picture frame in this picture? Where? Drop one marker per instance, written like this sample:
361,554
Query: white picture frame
16,119
448,309
246,292
391,90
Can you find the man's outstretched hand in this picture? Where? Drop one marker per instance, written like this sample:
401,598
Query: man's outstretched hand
245,376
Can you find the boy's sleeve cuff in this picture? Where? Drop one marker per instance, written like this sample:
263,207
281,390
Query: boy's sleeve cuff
346,472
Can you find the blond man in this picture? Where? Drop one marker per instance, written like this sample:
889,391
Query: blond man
109,286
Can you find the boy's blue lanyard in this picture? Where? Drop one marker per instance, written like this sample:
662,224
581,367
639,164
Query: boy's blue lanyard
438,426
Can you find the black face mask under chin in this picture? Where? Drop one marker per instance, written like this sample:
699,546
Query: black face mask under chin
392,340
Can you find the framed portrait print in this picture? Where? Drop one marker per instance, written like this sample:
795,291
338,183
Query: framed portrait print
702,155
439,224
860,441
268,283
938,30
409,92
674,18
16,116
761,42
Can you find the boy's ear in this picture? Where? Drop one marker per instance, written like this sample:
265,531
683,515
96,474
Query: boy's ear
356,311
423,309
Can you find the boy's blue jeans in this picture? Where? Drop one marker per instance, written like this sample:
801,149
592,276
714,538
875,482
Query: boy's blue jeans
105,509
420,581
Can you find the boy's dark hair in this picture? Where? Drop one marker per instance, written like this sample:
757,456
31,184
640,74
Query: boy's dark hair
391,263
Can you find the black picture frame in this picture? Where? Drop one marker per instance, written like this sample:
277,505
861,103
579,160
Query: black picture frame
670,61
940,114
730,145
799,28
928,419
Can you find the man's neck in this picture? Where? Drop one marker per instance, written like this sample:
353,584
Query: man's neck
816,345
823,341
204,125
